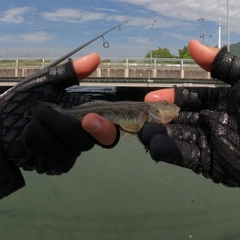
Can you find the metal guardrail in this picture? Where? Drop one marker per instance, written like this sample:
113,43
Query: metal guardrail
132,62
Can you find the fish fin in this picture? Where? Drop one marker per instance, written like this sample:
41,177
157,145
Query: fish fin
129,128
154,115
135,127
142,118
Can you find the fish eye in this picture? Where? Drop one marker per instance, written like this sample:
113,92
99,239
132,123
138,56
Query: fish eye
165,102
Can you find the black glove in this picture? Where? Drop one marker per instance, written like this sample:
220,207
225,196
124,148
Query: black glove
45,141
205,135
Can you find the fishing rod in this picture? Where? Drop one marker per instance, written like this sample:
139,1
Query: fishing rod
105,44
45,69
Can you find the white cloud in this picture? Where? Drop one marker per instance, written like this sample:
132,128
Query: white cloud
177,36
140,40
76,16
36,38
106,9
72,15
62,15
189,10
30,38
15,15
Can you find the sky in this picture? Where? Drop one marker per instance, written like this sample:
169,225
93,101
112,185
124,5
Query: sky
50,29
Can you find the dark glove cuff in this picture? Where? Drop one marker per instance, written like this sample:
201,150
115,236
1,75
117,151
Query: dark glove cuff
11,178
64,75
226,67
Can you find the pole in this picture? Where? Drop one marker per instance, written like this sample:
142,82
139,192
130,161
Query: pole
84,45
219,33
152,40
203,32
228,28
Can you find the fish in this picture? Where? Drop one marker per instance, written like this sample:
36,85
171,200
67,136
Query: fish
129,115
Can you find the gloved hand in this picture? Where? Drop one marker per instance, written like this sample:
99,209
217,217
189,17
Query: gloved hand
205,136
45,141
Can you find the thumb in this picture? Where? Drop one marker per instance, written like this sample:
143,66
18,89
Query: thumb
202,55
163,94
86,65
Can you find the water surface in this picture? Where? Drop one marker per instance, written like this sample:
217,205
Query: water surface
121,194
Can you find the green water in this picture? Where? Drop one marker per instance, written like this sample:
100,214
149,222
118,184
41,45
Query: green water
121,194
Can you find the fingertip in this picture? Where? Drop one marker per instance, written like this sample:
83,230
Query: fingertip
158,95
202,55
100,128
86,65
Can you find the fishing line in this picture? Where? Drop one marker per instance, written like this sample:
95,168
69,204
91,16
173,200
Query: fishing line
105,44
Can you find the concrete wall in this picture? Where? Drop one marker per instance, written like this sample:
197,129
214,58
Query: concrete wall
168,73
191,73
7,72
196,73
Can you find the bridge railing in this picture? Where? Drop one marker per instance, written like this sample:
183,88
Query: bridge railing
153,63
131,62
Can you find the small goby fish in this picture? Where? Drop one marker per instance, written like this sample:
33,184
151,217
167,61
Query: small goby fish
130,116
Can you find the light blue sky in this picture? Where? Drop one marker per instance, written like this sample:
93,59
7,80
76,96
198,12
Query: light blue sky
52,28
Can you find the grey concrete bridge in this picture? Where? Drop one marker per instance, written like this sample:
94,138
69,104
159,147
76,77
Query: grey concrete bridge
164,68
119,72
160,72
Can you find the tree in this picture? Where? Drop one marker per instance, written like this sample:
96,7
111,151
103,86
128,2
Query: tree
129,61
160,53
106,61
184,53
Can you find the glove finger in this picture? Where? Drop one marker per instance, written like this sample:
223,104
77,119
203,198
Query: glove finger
149,130
63,127
187,118
54,153
182,133
163,143
70,73
62,76
226,67
197,142
175,131
177,144
165,149
195,99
